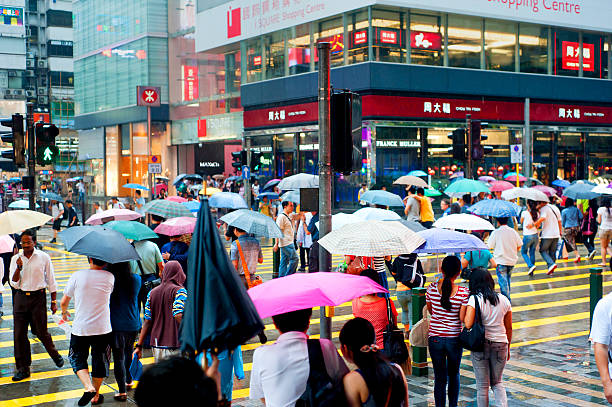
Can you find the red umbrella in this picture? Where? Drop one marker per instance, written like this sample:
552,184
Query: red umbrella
500,186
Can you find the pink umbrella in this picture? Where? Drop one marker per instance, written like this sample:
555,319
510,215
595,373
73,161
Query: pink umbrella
512,178
177,226
546,189
300,291
500,186
112,214
6,244
177,199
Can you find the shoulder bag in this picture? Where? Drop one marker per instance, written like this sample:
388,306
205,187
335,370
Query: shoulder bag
395,348
257,280
474,338
419,334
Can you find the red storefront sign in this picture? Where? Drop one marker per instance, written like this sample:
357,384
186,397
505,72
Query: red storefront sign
360,37
201,128
42,117
557,112
190,82
388,37
570,59
272,117
425,40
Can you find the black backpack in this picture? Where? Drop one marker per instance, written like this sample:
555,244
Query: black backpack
320,391
408,270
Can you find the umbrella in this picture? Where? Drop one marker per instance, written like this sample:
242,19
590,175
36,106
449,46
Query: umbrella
602,189
131,230
175,198
269,195
193,206
52,196
458,174
548,191
371,238
209,191
177,226
445,241
298,181
18,221
218,311
580,190
136,186
376,214
463,221
511,176
218,176
526,193
291,196
194,177
15,179
166,209
561,183
112,214
500,186
380,197
432,192
229,200
495,207
417,173
466,186
341,219
195,187
301,291
6,244
270,185
486,178
253,222
234,178
178,179
411,180
21,204
410,224
535,181
98,242
584,181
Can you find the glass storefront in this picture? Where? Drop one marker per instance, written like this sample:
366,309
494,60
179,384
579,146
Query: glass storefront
426,44
464,41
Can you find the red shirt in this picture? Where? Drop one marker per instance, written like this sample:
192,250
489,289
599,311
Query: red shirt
376,313
443,322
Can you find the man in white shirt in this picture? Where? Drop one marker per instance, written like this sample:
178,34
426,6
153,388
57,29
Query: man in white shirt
139,202
280,371
31,274
601,337
550,219
97,208
57,212
116,204
91,328
288,256
506,244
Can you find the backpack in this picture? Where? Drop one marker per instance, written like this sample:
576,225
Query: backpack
589,223
408,270
320,391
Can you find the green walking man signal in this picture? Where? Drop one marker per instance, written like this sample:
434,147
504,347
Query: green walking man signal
46,150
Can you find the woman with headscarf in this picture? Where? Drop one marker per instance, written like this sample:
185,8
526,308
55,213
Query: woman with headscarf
164,312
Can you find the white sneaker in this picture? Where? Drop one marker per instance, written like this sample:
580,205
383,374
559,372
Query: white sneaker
532,269
592,254
551,269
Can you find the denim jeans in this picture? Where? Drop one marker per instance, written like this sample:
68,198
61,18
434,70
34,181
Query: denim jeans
548,248
589,242
503,278
528,250
405,300
446,358
488,369
288,261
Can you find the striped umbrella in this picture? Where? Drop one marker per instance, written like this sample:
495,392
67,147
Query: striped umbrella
166,209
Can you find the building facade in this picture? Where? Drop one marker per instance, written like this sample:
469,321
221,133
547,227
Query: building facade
537,73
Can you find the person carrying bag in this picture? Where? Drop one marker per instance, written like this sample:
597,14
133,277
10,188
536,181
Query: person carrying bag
395,348
246,277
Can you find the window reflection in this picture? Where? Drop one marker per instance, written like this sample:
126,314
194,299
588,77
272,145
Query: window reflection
358,32
298,44
464,41
593,55
566,53
274,45
254,60
426,39
500,42
389,44
331,31
533,48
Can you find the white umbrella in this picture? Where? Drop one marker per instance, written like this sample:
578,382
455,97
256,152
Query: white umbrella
411,180
376,214
463,221
603,189
372,239
298,181
341,219
526,193
18,221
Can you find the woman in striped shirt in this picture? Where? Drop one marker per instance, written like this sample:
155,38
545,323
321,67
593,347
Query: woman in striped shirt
444,301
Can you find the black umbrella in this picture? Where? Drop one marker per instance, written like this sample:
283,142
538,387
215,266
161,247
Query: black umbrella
219,314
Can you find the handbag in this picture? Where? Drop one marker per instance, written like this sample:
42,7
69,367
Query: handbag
474,338
395,348
419,335
356,266
257,280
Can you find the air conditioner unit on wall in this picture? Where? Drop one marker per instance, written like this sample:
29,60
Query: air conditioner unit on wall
18,92
43,100
30,74
30,63
30,93
42,91
42,64
8,92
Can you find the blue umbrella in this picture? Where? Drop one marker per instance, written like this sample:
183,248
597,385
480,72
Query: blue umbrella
271,184
418,173
448,241
270,195
15,179
178,179
136,186
561,183
580,190
193,206
228,200
98,242
380,197
584,181
291,196
195,177
52,196
495,207
253,222
233,178
21,204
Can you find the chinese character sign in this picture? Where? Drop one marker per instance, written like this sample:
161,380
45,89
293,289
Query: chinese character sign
190,82
570,59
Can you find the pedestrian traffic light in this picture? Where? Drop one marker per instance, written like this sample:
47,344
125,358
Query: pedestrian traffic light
458,148
16,137
478,149
345,126
239,159
46,150
255,161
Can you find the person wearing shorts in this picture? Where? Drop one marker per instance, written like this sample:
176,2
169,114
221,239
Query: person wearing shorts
57,212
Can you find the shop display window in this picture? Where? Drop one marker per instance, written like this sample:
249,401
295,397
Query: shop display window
298,49
254,60
274,45
426,39
593,65
331,31
389,38
566,53
464,41
358,33
533,48
500,44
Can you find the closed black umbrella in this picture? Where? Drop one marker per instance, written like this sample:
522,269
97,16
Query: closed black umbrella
219,314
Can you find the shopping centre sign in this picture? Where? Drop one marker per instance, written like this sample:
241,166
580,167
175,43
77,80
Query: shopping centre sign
250,18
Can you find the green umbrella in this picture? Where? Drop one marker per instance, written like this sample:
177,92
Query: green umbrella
131,229
466,186
432,192
166,209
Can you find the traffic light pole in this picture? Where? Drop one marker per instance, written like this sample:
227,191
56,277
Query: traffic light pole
31,154
468,133
325,170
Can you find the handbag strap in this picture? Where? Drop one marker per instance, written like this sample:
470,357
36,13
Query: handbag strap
477,309
391,324
245,268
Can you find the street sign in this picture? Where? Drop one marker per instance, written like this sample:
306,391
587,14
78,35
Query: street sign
148,96
516,153
155,168
246,172
155,159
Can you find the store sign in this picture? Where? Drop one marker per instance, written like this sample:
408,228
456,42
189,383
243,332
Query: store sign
360,37
388,37
61,43
190,82
398,144
570,59
272,117
210,158
125,53
11,15
544,112
425,40
251,18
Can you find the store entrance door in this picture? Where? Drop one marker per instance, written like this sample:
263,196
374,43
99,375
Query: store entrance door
570,156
